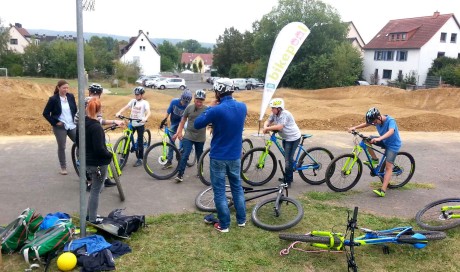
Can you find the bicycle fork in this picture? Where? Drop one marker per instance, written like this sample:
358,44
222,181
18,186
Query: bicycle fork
348,166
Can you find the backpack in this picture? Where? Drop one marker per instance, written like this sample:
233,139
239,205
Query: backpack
124,225
17,232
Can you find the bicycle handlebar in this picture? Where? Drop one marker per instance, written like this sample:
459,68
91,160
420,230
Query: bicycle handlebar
112,127
128,118
356,133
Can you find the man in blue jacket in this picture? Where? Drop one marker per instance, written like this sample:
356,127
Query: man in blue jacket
227,118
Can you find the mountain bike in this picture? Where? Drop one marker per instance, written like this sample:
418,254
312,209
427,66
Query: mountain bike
260,162
440,214
127,144
113,170
156,157
344,172
276,213
204,162
336,241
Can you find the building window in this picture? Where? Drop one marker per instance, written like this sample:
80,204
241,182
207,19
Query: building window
453,37
386,74
401,55
13,41
383,55
443,36
441,54
142,48
403,36
400,76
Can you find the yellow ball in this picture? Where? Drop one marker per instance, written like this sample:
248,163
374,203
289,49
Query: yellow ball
67,261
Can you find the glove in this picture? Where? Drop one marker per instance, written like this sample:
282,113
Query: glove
163,123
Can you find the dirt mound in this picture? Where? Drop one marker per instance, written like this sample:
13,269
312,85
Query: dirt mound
327,109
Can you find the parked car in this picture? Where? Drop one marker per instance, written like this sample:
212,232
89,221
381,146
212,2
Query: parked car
239,83
151,82
171,83
362,83
253,83
141,80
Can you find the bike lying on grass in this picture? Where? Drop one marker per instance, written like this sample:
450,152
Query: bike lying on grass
440,214
336,241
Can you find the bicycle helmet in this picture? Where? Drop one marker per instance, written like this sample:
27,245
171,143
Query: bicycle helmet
277,103
200,94
139,90
95,88
186,96
223,86
372,114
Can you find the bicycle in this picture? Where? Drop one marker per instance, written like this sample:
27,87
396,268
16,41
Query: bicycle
439,215
113,170
156,156
261,162
276,213
127,144
337,242
204,162
348,167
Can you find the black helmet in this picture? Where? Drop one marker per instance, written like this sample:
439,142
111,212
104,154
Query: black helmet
95,88
139,90
371,115
200,94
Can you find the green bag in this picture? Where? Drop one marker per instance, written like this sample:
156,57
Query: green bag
16,233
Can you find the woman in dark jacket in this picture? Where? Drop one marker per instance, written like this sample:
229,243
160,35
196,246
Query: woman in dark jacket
97,156
59,111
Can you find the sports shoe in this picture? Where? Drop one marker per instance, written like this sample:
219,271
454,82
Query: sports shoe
167,165
379,192
63,171
242,224
396,169
137,163
88,186
109,183
218,228
211,219
375,162
179,178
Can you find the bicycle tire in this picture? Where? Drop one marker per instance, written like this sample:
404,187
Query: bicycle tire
117,180
247,145
263,217
74,155
335,176
309,238
119,149
204,168
406,163
255,175
323,157
153,161
191,158
429,217
430,235
147,138
204,201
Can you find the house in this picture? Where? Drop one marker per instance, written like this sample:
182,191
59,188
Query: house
191,58
355,38
142,51
404,46
19,38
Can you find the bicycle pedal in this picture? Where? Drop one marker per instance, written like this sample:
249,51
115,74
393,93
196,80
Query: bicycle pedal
386,250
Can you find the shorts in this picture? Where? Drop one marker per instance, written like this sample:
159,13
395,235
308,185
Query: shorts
389,154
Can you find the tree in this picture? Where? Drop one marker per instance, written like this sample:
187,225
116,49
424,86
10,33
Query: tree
170,57
4,38
105,50
192,46
228,50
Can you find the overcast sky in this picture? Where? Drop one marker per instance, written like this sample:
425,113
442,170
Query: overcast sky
202,20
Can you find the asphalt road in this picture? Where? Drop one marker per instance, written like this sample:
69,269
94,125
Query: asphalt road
29,177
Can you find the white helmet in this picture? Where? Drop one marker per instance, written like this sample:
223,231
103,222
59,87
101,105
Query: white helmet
223,85
277,103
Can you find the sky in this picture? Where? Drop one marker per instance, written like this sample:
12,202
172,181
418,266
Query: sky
201,20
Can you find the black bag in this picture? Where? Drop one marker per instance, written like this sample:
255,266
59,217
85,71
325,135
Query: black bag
126,224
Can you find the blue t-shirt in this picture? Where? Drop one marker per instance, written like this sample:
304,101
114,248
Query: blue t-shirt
176,111
394,141
227,121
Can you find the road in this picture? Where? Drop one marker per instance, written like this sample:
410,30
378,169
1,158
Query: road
29,177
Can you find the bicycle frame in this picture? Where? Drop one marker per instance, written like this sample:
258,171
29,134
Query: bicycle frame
267,191
446,212
164,138
129,134
109,146
357,150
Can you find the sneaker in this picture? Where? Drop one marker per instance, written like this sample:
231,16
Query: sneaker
218,228
379,192
396,169
179,178
88,186
167,165
109,183
137,163
375,162
63,171
242,225
211,219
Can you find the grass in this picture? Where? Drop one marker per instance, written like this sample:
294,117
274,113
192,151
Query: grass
182,242
408,186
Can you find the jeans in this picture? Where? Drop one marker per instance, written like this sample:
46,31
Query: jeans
231,168
97,183
172,131
187,149
289,151
61,136
140,140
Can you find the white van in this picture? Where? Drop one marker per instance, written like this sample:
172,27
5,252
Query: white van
239,83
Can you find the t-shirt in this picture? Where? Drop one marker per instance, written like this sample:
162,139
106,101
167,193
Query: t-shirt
394,141
77,115
191,133
138,109
176,111
290,131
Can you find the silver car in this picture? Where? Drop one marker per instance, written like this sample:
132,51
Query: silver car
171,83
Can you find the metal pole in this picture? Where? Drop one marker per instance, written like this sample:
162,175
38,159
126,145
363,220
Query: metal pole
81,109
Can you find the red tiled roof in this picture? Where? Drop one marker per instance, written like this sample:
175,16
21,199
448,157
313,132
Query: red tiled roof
23,32
189,57
419,31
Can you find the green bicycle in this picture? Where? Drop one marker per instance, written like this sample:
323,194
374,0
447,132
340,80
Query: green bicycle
439,215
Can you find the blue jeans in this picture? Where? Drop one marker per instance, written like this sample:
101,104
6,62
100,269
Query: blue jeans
289,150
232,169
187,149
140,140
172,131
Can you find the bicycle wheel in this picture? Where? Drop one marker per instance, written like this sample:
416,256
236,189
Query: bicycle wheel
192,158
264,215
258,174
155,158
75,160
204,201
121,151
204,172
429,235
147,138
116,178
339,179
247,145
317,174
403,170
309,238
432,218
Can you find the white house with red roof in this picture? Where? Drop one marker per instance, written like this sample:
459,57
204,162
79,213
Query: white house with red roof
144,52
205,59
406,45
19,38
355,38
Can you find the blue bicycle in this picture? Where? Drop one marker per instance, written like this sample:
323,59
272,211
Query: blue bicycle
259,164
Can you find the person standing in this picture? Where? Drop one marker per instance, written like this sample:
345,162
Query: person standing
227,119
59,112
193,137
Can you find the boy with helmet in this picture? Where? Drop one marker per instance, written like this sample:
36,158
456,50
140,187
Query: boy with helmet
192,137
282,121
227,119
140,109
175,111
389,140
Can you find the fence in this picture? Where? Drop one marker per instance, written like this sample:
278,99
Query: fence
4,72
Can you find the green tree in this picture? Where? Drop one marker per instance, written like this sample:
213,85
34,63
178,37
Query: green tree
228,51
192,46
170,57
4,38
195,67
127,71
105,51
13,62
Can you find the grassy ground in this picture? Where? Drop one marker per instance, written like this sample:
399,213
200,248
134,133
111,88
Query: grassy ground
184,243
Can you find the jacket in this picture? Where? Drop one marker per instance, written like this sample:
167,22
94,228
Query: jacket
96,150
53,108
